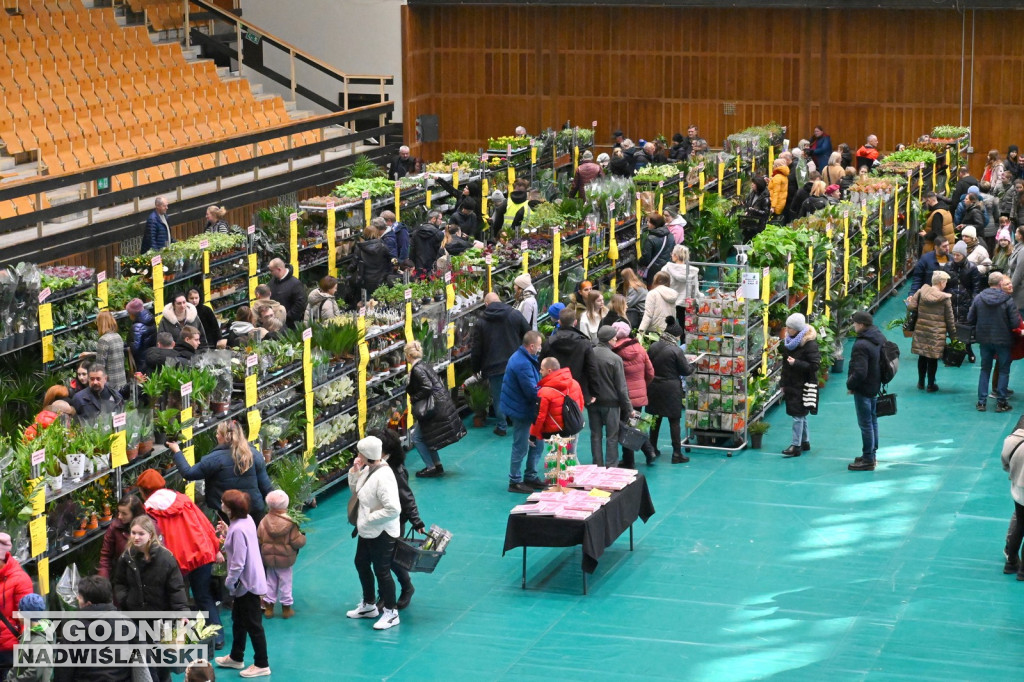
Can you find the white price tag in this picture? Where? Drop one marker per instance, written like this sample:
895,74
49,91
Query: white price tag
366,195
448,278
44,294
766,272
489,259
38,456
293,216
524,245
120,419
408,294
204,244
455,167
186,389
508,150
846,214
484,157
157,260
307,334
661,183
330,205
251,229
101,276
251,360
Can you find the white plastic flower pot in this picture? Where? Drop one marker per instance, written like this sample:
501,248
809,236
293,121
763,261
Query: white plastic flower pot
76,466
55,483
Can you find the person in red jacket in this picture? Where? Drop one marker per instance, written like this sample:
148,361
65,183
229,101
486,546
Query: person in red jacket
556,383
115,540
14,584
639,372
190,537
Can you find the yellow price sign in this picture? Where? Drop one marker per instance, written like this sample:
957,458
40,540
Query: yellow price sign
789,275
586,255
45,317
186,414
255,422
102,293
533,155
409,337
43,571
398,202
118,449
250,390
37,487
189,453
48,348
332,241
511,175
451,376
450,335
556,263
37,534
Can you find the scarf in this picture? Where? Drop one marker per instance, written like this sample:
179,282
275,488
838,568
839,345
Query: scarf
793,341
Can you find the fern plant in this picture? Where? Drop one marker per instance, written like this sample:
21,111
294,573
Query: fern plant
294,475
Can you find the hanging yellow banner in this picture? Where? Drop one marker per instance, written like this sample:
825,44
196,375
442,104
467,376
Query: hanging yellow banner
409,338
37,533
255,422
789,275
556,262
721,177
45,317
864,237
250,390
293,243
332,241
511,176
102,290
586,255
485,193
48,348
700,192
533,155
846,253
451,376
38,488
309,408
764,347
637,224
575,158
398,201
430,198
766,286
43,572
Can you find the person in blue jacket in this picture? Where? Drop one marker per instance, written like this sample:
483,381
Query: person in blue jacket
519,403
233,465
395,237
158,232
143,332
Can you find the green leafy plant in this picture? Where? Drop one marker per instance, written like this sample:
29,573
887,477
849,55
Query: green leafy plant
760,426
295,476
363,168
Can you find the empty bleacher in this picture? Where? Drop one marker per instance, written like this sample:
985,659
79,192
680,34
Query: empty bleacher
79,90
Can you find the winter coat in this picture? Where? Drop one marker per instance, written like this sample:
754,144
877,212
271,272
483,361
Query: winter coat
280,540
574,352
660,304
110,355
95,674
410,511
399,167
934,321
979,256
425,247
994,316
153,585
665,392
1001,261
320,306
812,205
585,174
88,405
115,541
796,200
183,353
379,505
608,383
637,367
864,376
657,251
217,468
589,327
519,387
245,565
373,265
621,167
172,325
1007,200
279,312
778,189
528,307
445,427
552,392
499,332
1013,463
636,298
938,223
799,381
684,279
396,239
220,227
210,325
677,228
512,213
820,150
243,333
973,214
292,295
758,205
1017,274
925,268
14,584
184,529
157,234
833,174
143,337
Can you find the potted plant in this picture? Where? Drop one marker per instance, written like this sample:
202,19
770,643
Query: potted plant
478,397
166,424
757,431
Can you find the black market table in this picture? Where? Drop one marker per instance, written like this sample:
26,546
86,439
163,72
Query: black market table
594,534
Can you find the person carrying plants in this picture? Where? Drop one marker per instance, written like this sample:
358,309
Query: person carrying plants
801,359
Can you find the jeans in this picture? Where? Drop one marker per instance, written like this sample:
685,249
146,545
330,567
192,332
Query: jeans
926,368
867,420
200,581
247,620
800,433
496,382
1015,533
523,449
279,580
429,455
674,428
376,552
608,418
988,352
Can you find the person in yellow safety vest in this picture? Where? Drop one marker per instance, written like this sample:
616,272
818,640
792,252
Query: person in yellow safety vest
515,210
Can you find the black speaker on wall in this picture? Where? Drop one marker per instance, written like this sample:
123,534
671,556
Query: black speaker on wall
427,128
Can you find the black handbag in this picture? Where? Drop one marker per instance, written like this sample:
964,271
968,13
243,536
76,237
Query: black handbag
885,405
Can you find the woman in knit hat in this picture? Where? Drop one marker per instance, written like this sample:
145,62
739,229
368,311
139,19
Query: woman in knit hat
665,391
526,299
801,359
1004,247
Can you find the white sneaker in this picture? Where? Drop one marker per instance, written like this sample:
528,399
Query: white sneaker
364,610
389,619
228,662
253,671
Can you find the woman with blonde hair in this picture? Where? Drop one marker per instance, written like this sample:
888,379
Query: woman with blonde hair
635,291
683,278
617,311
816,201
833,172
590,321
935,321
110,351
234,464
215,219
437,420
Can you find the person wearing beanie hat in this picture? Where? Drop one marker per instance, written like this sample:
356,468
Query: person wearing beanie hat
964,284
603,160
976,252
610,401
586,172
665,391
35,637
639,371
554,310
960,248
280,541
378,508
864,381
526,299
971,213
801,359
1003,248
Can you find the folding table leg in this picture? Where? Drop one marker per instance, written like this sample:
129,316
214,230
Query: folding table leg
524,567
631,537
584,581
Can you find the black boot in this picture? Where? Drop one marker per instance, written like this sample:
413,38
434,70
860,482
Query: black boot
792,451
806,446
650,453
679,458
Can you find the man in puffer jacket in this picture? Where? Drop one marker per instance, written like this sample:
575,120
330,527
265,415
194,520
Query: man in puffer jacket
1013,464
994,315
572,349
14,584
36,637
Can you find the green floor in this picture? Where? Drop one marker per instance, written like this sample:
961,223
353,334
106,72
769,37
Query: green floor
753,567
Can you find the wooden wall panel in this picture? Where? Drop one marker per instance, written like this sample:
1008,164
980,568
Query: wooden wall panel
651,70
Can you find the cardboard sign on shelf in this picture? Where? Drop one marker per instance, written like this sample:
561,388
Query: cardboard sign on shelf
750,288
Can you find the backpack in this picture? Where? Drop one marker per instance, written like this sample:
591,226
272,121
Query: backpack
572,416
889,361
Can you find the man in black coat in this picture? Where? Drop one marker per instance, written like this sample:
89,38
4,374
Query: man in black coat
288,291
425,243
573,349
929,263
158,355
401,165
802,193
864,381
499,333
186,348
995,316
99,398
965,182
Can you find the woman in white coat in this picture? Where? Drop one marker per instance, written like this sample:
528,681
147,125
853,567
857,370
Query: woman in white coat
683,277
